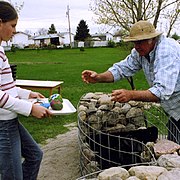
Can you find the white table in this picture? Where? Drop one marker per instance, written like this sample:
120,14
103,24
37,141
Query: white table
39,85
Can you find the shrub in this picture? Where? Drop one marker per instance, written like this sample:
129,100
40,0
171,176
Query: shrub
111,44
82,48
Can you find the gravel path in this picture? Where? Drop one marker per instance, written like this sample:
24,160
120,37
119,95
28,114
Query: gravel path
61,157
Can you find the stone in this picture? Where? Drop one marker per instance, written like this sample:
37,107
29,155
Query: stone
125,108
148,153
105,99
114,173
82,115
146,172
132,178
82,108
134,112
165,146
173,174
89,95
169,161
104,107
115,129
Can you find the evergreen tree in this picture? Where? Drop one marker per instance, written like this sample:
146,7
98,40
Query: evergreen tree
82,32
52,29
175,36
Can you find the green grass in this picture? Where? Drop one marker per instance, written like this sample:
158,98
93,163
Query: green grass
67,65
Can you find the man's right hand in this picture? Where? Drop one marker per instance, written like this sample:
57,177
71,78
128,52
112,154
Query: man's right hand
89,76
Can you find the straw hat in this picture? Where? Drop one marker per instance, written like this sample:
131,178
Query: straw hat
142,30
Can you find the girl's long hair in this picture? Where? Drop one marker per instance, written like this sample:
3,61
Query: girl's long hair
7,12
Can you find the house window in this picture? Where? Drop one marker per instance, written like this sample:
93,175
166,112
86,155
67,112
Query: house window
55,41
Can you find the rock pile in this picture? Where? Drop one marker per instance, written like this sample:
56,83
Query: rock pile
108,130
140,173
168,167
102,114
106,127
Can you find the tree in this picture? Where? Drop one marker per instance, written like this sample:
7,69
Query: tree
52,29
171,17
18,5
175,36
82,32
42,31
124,13
29,32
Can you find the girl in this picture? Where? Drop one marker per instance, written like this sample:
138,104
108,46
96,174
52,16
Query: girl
15,141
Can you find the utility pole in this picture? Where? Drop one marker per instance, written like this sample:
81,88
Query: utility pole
67,13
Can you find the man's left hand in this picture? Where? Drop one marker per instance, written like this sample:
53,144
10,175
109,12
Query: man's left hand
121,95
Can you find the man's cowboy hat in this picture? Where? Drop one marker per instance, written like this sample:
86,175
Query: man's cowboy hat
142,30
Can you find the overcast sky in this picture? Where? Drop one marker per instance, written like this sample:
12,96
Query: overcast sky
38,14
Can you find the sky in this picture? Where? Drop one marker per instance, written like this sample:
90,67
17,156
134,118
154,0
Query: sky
37,14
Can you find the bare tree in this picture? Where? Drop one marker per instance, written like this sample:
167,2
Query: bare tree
42,31
29,32
18,5
172,18
124,13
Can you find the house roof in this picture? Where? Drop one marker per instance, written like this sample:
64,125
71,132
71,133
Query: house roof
96,39
47,36
19,32
100,34
64,33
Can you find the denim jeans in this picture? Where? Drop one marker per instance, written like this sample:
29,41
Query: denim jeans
174,130
20,156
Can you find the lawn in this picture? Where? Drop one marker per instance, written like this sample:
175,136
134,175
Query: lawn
67,65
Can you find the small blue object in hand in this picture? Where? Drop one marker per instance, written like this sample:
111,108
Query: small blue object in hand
46,105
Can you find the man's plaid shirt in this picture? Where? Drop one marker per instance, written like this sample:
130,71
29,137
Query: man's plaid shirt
162,72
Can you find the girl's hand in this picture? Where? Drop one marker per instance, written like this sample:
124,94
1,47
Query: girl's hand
33,95
40,111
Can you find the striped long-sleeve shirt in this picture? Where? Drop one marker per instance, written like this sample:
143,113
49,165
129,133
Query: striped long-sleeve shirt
11,97
162,72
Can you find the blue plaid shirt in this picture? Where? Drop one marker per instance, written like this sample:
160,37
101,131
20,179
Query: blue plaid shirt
162,72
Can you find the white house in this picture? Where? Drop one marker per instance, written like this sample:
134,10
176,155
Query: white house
47,39
20,39
101,39
66,36
117,38
102,36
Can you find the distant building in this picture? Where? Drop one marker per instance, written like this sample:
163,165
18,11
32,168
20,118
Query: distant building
117,38
102,36
44,40
20,40
66,36
58,39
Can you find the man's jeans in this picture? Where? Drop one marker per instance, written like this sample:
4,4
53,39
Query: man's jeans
174,130
17,145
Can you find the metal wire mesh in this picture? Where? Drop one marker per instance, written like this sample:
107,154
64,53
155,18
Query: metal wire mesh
99,150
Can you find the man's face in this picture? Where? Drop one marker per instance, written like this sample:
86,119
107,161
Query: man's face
144,47
7,30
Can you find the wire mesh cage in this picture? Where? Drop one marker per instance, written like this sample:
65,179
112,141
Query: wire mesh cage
109,135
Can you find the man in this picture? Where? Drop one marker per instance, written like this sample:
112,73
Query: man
159,57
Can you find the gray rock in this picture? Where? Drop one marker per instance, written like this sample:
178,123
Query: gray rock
146,172
134,112
174,174
89,95
169,161
114,173
126,107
